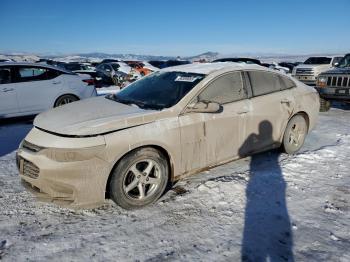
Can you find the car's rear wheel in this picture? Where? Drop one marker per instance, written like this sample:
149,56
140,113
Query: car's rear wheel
139,179
325,105
294,135
65,99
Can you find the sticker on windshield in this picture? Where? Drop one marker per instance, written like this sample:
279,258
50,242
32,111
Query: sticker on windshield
187,78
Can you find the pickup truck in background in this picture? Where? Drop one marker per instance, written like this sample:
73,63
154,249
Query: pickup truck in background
312,67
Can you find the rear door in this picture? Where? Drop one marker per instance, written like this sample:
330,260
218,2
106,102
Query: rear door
271,106
37,87
8,94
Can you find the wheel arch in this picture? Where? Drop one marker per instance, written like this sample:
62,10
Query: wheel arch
71,94
306,117
161,149
303,114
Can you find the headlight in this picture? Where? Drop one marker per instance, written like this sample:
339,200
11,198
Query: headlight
322,81
73,155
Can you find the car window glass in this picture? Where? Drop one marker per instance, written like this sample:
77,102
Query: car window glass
225,89
336,60
26,74
5,75
264,82
115,67
286,83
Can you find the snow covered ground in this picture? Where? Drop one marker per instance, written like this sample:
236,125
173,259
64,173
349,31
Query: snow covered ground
270,205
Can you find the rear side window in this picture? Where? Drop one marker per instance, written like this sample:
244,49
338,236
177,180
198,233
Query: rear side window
286,83
225,89
28,74
264,82
5,75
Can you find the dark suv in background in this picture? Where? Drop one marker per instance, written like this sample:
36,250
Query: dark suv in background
334,84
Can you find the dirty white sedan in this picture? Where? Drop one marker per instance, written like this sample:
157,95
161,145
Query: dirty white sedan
173,123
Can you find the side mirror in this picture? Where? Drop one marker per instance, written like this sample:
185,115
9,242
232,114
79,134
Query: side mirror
336,64
204,107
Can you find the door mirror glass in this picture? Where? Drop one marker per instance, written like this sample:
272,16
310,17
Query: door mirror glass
204,107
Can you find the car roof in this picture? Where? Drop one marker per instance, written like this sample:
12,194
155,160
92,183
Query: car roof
236,59
36,65
207,68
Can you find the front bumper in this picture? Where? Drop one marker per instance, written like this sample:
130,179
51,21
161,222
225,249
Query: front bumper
306,79
75,183
332,93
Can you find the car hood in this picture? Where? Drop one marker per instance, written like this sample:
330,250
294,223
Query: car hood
91,117
338,71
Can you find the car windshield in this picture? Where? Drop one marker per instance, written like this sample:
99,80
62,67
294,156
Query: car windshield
158,90
345,62
318,61
115,66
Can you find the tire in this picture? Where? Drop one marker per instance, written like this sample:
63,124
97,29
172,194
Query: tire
294,135
139,179
115,80
325,105
65,99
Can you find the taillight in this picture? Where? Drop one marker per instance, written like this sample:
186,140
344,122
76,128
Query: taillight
89,81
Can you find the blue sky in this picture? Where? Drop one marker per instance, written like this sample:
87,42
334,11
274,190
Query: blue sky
175,27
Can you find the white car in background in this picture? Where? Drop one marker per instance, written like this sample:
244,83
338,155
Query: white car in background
149,66
29,89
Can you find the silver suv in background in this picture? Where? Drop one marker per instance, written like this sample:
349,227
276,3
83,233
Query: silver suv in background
312,67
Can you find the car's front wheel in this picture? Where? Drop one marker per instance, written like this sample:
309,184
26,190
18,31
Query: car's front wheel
294,135
65,99
139,179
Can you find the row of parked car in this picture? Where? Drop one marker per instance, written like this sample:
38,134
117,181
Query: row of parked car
28,89
121,73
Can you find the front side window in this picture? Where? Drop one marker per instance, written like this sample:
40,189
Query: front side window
158,90
225,89
336,60
344,62
264,82
5,75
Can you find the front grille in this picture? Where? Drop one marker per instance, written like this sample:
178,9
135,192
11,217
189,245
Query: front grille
31,147
338,81
29,169
304,71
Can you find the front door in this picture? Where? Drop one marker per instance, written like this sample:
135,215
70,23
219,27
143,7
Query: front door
8,94
210,138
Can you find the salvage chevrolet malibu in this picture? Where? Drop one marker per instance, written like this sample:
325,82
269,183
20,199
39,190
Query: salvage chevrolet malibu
172,123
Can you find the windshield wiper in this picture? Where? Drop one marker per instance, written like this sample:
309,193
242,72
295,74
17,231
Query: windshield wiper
140,104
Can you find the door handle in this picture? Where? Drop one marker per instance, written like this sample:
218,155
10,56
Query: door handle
56,82
7,89
285,101
243,111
